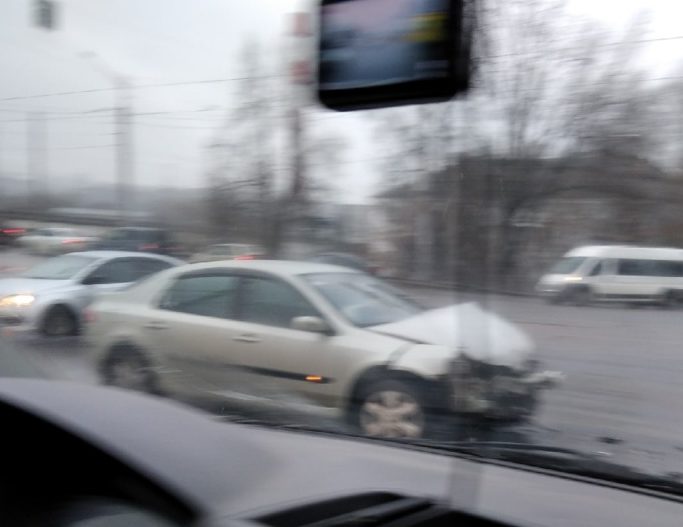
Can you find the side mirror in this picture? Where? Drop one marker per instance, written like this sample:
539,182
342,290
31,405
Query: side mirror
311,325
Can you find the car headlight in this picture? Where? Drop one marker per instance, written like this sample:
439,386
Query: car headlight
20,300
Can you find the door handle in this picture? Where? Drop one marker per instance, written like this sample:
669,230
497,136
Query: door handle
247,337
156,325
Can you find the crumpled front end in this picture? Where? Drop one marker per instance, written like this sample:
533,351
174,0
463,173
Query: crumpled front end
498,392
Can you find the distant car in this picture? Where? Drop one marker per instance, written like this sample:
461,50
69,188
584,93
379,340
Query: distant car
345,260
334,339
55,240
228,251
10,234
144,239
50,297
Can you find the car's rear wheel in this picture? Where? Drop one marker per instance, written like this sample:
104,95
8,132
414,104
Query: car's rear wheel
390,408
59,321
671,300
127,367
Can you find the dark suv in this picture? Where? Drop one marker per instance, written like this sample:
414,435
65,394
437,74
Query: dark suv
146,239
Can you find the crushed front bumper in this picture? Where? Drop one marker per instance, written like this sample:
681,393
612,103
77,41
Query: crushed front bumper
500,393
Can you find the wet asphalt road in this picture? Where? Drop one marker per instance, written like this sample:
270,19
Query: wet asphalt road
623,366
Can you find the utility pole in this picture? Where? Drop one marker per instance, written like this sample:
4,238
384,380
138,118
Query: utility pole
300,80
37,184
124,151
424,235
125,155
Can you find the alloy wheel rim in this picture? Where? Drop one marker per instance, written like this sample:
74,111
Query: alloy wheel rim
126,374
391,413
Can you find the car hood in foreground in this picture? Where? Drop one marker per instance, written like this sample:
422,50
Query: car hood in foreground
19,285
468,329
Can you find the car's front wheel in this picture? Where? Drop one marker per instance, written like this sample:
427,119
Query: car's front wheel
391,408
59,321
127,367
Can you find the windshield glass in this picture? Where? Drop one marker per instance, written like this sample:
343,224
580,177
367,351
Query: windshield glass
197,130
60,268
567,265
362,300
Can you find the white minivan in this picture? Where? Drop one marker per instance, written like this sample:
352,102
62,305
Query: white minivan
616,273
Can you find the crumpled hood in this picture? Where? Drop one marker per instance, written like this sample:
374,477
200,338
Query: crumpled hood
13,286
466,328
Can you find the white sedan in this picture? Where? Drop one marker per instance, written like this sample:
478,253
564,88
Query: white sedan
54,240
318,336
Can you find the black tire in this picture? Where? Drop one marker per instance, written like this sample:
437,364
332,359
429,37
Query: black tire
579,296
128,367
393,409
59,321
554,300
671,300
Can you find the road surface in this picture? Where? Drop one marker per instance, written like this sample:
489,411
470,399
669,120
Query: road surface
623,371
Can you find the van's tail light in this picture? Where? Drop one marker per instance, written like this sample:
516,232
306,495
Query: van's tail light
70,241
245,257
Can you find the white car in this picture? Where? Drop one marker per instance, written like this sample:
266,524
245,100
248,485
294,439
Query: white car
55,240
50,297
317,335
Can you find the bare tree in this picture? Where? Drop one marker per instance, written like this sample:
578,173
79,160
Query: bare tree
243,155
547,84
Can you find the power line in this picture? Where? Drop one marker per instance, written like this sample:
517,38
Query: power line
139,87
84,147
604,45
87,147
176,126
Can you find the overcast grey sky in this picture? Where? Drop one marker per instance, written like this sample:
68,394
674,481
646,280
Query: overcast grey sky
167,41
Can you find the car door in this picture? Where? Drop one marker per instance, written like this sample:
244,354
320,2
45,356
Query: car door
112,275
193,328
109,277
281,362
604,279
632,280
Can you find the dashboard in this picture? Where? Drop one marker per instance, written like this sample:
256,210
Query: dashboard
89,456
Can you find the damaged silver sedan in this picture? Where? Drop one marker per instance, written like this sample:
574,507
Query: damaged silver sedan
328,339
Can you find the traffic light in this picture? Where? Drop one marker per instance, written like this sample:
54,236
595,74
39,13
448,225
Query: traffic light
45,14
